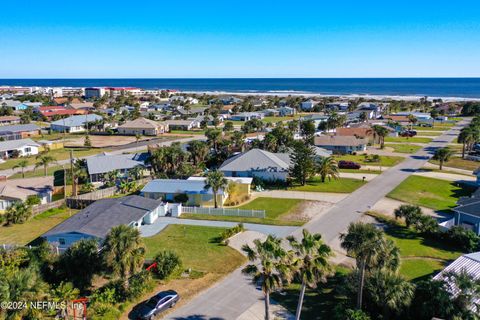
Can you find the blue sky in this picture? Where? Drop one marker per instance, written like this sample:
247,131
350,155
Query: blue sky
102,39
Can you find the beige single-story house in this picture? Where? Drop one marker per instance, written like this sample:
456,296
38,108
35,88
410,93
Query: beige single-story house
341,144
187,125
20,189
143,126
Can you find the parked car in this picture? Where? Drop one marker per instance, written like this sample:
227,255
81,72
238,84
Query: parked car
157,304
408,133
342,164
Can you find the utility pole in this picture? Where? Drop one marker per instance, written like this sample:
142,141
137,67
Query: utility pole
73,178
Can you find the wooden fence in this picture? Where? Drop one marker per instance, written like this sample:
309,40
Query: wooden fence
225,212
47,206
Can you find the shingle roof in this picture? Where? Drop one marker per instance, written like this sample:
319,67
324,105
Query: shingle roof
19,128
104,163
257,160
141,123
77,121
176,186
22,188
339,141
15,144
98,218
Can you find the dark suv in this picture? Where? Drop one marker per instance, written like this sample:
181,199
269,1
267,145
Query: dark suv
342,164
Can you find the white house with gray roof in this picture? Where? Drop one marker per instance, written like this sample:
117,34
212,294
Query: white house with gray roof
101,164
96,220
74,123
21,148
258,163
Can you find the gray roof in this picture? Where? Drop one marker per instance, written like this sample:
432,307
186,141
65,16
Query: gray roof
176,186
15,144
104,163
98,218
257,160
470,205
339,141
77,121
321,152
10,103
19,128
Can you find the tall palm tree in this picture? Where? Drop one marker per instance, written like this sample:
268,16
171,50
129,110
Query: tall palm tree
381,132
79,172
327,167
466,137
124,251
310,262
268,266
363,242
409,212
110,178
44,161
213,137
198,151
22,164
389,292
466,288
442,155
215,180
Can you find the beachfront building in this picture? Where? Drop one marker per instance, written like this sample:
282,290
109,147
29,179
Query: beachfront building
94,93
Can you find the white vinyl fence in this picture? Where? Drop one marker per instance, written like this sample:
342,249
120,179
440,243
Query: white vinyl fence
225,212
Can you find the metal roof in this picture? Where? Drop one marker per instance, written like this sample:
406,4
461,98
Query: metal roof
19,128
98,218
15,144
104,163
193,186
77,121
257,160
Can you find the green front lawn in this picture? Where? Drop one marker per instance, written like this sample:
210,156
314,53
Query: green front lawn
385,161
196,247
22,234
428,133
277,212
342,185
459,163
406,140
413,269
187,131
431,193
36,173
404,148
360,171
278,119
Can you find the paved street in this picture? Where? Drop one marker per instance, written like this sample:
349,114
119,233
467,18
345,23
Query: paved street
231,297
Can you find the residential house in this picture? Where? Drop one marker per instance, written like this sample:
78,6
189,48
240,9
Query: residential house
308,105
192,190
103,163
14,104
418,115
96,220
340,106
321,152
258,163
270,112
15,190
74,124
51,112
374,108
246,116
18,148
467,212
144,127
359,132
185,125
341,144
19,131
192,112
469,263
286,111
316,118
9,120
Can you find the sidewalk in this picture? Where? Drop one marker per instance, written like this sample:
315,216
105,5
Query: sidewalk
315,196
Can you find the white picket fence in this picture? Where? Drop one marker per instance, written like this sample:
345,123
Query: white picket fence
225,212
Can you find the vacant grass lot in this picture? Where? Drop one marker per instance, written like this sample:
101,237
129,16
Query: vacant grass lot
278,119
277,211
431,193
342,185
385,161
187,131
25,233
404,148
459,163
196,247
428,133
407,140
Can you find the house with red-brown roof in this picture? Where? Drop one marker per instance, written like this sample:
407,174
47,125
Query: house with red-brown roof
51,111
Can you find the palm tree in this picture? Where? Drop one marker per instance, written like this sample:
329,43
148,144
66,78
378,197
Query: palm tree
198,151
267,267
65,291
412,119
110,178
327,167
442,155
311,261
215,180
466,137
381,132
44,161
410,213
213,137
389,291
18,212
363,242
22,164
136,173
79,172
466,288
124,251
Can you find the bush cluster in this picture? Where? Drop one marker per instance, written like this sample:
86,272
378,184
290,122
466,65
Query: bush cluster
167,263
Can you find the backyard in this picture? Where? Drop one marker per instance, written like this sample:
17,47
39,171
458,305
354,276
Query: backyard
341,185
277,213
429,192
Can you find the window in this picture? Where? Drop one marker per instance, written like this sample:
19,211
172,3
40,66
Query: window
28,150
61,241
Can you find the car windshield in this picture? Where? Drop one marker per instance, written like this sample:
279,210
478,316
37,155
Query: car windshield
152,302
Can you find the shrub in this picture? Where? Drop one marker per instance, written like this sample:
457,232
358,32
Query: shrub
103,311
32,200
231,232
182,198
466,239
138,284
104,296
167,262
426,224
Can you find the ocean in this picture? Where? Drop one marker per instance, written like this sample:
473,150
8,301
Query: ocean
431,87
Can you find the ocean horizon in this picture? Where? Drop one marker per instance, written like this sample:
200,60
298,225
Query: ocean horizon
431,87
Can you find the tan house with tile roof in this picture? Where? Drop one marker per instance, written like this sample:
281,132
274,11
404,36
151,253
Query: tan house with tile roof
142,126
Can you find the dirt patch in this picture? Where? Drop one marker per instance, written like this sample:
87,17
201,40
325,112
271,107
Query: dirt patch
104,141
306,210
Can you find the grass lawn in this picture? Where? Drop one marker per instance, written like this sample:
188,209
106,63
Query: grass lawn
277,213
187,132
428,133
24,233
35,173
431,193
406,140
58,154
360,171
459,163
342,185
404,148
385,161
413,269
196,247
278,119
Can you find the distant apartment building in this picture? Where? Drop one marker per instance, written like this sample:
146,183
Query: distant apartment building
117,91
94,93
71,92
